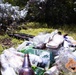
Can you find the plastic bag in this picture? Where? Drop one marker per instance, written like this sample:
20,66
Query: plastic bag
39,40
6,69
55,42
66,61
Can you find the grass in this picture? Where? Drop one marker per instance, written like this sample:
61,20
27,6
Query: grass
1,48
36,31
35,28
16,42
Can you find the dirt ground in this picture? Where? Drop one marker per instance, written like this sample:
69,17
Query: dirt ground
6,42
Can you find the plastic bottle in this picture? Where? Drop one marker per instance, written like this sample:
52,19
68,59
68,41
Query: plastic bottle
52,71
26,67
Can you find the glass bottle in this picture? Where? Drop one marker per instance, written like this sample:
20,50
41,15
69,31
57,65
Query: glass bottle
26,67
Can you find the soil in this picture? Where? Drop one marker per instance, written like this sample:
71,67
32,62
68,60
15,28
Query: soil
6,42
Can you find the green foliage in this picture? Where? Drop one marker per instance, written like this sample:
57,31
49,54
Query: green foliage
36,11
32,29
1,48
59,11
1,38
50,11
36,25
20,3
36,31
53,12
16,42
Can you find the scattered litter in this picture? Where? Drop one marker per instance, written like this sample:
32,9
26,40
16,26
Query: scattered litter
49,53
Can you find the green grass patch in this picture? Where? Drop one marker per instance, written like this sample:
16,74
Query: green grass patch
36,25
49,30
16,42
36,31
34,28
1,49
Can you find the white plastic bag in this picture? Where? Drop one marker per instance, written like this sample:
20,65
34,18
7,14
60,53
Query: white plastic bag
56,41
6,69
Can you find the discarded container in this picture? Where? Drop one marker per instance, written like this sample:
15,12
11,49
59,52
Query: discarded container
52,71
45,55
26,67
39,71
24,45
67,62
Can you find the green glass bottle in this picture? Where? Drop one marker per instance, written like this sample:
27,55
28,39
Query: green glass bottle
39,71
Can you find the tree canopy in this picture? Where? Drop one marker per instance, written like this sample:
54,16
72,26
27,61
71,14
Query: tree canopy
49,11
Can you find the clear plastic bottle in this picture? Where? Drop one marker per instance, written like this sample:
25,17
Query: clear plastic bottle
52,71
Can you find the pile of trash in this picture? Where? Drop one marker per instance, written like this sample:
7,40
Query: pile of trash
49,53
